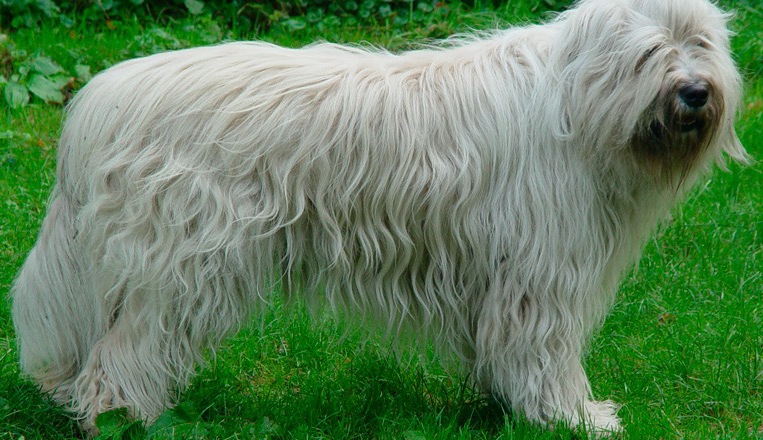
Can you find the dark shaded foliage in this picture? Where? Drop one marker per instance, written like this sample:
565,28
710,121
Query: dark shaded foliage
242,15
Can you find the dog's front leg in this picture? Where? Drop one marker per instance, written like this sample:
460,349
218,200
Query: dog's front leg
529,345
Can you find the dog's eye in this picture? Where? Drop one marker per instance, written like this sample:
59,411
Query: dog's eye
645,57
702,41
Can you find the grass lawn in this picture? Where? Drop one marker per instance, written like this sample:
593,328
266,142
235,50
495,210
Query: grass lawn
682,350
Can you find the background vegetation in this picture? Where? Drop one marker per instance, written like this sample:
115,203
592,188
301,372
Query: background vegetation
682,350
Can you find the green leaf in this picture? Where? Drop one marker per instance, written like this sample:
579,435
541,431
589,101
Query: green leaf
48,7
83,72
111,423
45,66
45,89
183,421
60,81
118,425
16,95
66,21
294,24
195,7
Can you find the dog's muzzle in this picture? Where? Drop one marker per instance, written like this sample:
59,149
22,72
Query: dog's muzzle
693,98
681,125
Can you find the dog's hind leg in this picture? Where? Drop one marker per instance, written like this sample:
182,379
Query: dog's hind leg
52,314
129,367
163,318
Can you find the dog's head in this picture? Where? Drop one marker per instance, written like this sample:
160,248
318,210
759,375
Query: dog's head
651,78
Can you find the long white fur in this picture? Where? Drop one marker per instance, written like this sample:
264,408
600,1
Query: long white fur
484,195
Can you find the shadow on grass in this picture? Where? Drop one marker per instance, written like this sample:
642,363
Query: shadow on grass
27,413
372,396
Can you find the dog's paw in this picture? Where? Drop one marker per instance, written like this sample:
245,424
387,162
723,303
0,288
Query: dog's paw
601,419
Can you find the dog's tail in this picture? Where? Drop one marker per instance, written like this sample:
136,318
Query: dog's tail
52,313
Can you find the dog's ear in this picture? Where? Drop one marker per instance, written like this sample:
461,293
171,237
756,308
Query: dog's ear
730,143
591,23
585,64
732,147
728,79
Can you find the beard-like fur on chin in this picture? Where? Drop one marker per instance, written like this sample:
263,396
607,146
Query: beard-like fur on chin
486,195
674,138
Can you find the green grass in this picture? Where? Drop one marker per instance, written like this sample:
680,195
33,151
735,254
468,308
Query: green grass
682,350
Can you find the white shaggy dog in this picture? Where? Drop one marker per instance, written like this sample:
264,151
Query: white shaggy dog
487,194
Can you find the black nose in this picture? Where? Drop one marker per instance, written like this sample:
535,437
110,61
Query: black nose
694,95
